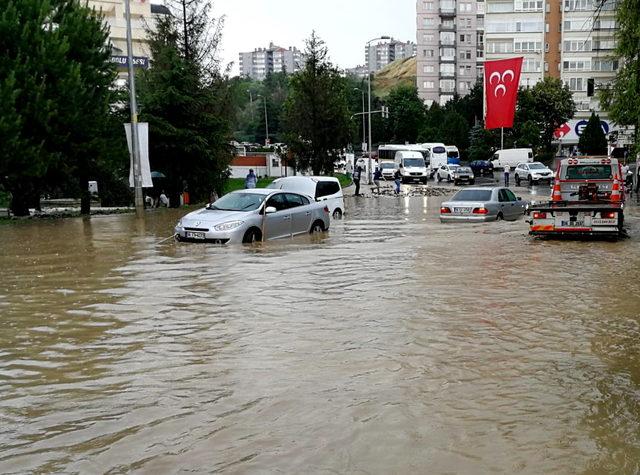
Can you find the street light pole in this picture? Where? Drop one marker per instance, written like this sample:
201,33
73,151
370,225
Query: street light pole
364,132
369,93
135,145
266,120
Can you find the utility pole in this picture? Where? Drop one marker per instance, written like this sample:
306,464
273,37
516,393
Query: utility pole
369,88
135,144
266,120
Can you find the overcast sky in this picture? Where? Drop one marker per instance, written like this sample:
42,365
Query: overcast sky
345,25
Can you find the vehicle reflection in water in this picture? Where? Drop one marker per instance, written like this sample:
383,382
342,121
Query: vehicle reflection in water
390,344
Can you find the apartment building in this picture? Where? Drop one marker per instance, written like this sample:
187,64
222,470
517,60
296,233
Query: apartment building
258,63
143,15
450,43
568,39
377,56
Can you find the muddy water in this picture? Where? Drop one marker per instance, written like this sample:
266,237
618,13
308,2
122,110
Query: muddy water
392,345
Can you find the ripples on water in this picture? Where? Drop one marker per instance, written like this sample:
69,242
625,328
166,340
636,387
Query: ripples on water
392,345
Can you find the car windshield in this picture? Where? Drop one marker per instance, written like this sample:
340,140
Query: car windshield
536,166
472,195
588,172
464,169
388,165
238,202
439,150
413,162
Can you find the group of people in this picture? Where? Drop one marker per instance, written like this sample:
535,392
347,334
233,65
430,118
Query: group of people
355,171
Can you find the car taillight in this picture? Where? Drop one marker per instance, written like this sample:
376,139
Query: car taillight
539,215
480,211
326,209
608,215
445,210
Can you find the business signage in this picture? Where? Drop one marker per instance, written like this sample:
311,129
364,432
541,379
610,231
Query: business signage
123,61
570,132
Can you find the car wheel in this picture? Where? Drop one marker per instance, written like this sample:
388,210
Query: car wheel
517,180
438,178
530,181
337,214
424,181
252,235
449,178
317,227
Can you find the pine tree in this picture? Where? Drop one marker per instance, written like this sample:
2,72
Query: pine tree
316,112
55,76
187,103
593,140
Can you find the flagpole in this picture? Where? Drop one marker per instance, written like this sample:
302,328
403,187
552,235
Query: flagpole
501,138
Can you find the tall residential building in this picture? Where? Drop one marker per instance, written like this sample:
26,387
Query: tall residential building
450,37
380,55
567,39
143,15
274,59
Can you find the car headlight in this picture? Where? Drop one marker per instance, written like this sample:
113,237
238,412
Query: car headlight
179,225
228,226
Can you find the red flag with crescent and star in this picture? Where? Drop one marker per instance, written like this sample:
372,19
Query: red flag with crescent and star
501,81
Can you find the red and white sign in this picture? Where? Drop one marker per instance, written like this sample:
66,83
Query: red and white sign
501,80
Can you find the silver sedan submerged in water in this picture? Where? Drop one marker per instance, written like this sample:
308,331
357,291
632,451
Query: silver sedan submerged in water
254,215
482,204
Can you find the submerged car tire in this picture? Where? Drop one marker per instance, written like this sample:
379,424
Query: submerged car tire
317,227
252,235
530,179
337,213
438,177
517,180
500,216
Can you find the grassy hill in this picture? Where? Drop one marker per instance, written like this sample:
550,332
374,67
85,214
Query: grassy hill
402,71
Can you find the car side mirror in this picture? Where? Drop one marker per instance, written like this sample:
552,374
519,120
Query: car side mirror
270,210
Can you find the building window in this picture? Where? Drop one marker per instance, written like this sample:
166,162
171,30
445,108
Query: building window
447,69
428,5
447,85
448,38
577,65
464,7
527,46
428,38
448,53
578,5
528,5
427,53
428,68
530,65
577,84
428,85
577,45
500,7
429,21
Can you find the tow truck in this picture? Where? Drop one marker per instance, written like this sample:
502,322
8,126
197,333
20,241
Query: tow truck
587,201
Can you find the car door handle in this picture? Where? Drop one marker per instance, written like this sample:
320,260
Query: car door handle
308,213
287,218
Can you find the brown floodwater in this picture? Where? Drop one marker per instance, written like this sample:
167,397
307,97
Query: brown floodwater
393,344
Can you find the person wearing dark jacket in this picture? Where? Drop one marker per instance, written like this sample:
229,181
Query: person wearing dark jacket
397,177
357,174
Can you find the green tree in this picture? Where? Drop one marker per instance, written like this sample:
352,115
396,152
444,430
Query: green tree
455,131
55,79
482,143
622,98
549,104
593,141
406,114
316,113
188,105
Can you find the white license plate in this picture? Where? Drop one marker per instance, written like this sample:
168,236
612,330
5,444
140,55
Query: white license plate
195,235
572,224
605,222
462,210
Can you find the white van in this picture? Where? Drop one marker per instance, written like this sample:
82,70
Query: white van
512,157
322,188
412,166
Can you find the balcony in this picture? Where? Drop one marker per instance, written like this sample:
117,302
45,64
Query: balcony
447,27
447,11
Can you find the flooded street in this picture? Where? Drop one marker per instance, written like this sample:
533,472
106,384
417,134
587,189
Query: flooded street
393,344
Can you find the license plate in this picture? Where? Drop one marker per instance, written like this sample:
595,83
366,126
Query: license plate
195,235
572,224
608,222
462,210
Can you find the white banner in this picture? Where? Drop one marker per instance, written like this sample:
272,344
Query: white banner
143,142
